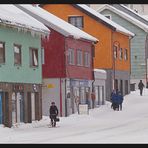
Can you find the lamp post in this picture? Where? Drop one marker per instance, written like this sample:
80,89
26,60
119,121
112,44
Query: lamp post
116,47
146,58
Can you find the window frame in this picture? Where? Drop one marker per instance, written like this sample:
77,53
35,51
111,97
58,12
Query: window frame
115,52
71,56
125,54
121,54
76,24
20,54
4,52
87,59
79,57
31,60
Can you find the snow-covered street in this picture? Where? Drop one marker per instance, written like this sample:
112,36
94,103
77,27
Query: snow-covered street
102,125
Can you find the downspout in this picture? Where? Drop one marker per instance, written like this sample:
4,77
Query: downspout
93,55
130,56
65,60
60,97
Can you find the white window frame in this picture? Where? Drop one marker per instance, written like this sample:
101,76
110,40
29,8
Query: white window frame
79,57
125,54
71,56
17,50
2,47
121,54
86,59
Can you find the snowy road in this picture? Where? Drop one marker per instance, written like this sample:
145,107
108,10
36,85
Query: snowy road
102,125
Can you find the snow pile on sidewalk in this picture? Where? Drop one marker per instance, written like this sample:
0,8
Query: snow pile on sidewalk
101,125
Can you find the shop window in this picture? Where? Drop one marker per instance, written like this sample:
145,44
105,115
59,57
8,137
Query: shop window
33,57
17,54
2,52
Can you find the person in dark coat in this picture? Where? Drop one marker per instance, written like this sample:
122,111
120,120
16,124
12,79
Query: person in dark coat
53,113
141,86
114,98
120,100
111,97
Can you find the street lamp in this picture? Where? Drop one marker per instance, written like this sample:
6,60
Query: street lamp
146,58
116,47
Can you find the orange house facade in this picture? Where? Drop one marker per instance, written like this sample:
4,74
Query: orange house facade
113,51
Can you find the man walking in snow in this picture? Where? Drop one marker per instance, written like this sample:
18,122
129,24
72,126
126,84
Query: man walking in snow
53,113
140,86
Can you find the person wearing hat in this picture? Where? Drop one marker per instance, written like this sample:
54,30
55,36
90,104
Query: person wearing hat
53,113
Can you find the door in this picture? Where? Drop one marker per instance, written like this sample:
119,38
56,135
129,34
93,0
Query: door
22,111
97,96
6,109
37,106
29,114
13,108
1,115
33,106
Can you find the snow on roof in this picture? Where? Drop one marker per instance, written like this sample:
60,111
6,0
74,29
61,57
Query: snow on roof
133,11
10,14
108,21
145,17
125,16
56,23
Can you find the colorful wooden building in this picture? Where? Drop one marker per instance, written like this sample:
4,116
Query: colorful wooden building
113,51
139,44
68,63
20,66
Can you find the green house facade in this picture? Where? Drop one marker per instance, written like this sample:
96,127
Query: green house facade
138,42
20,72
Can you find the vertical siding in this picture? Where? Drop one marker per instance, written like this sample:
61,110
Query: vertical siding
137,45
54,49
103,49
23,73
75,71
91,26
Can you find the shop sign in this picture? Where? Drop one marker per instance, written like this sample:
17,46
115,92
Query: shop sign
50,86
79,83
18,87
84,83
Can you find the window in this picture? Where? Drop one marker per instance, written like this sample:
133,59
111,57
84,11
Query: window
87,59
33,57
126,54
43,55
17,54
71,56
121,54
115,52
2,52
76,21
79,58
108,16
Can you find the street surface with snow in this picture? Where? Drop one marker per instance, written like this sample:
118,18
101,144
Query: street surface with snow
101,125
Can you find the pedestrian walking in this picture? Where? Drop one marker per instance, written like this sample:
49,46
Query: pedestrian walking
120,100
114,98
141,86
53,113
